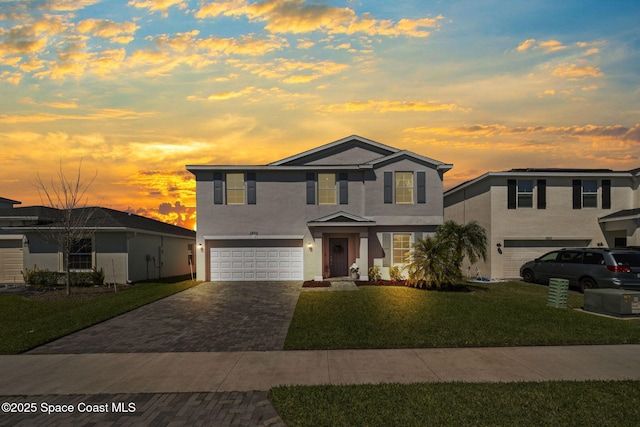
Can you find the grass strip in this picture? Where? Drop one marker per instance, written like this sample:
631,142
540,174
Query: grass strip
503,314
590,403
28,323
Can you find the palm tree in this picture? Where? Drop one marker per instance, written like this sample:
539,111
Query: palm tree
429,264
469,239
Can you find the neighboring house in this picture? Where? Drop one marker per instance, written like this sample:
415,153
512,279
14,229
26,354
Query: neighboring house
314,214
528,212
128,247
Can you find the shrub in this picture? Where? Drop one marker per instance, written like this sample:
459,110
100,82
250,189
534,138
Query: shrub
374,274
53,278
395,273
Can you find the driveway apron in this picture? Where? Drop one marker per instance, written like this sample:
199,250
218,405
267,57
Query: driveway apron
221,316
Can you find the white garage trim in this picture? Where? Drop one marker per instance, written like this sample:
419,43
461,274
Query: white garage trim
269,261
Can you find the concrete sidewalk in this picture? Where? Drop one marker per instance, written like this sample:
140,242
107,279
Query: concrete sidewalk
111,373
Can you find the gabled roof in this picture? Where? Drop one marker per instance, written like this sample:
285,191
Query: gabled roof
99,218
335,156
411,155
341,218
332,146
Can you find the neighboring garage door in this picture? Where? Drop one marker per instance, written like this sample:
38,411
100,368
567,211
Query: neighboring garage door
11,259
517,252
267,260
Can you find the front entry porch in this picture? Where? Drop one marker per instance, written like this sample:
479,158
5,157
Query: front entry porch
344,241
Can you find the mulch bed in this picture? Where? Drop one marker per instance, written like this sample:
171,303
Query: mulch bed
316,284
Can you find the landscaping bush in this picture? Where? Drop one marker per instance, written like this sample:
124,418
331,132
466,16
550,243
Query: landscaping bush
54,278
395,273
374,274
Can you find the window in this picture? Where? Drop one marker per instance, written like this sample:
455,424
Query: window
404,188
235,189
550,257
326,188
593,258
589,193
525,193
80,256
401,247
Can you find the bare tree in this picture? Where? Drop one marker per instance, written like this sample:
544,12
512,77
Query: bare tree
67,195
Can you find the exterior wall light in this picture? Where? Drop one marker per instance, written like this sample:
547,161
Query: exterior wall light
200,246
310,246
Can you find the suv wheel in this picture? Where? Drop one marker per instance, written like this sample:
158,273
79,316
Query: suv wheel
587,283
527,275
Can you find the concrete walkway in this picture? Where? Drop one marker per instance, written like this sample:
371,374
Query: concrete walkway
60,374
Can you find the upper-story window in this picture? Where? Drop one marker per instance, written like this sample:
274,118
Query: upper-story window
235,189
585,193
520,193
327,188
589,193
525,193
404,188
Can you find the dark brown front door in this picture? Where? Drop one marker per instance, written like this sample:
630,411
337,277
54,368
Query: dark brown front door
339,257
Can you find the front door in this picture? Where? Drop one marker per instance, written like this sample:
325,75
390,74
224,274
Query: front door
338,257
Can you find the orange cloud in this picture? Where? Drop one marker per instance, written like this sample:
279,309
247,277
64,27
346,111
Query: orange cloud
296,16
117,33
546,45
576,72
391,106
158,5
290,71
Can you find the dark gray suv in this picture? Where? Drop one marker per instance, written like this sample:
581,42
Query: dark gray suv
587,268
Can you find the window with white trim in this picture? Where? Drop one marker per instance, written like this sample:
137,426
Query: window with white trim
525,193
401,247
404,188
81,255
235,189
327,188
589,193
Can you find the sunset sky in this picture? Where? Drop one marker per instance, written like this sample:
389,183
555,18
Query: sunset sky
137,89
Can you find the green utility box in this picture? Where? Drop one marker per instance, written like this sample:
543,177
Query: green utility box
558,289
614,302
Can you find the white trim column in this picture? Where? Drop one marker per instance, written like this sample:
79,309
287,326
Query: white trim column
363,262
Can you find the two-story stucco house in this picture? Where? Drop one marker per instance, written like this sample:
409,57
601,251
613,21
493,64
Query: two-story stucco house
314,214
528,212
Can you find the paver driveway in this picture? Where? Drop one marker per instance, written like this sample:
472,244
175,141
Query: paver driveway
223,316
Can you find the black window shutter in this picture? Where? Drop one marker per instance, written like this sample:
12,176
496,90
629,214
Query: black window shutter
386,248
217,188
422,187
344,188
311,188
251,188
606,194
511,194
542,194
388,187
577,194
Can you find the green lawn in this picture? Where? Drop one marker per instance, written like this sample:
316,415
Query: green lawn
597,403
503,314
28,323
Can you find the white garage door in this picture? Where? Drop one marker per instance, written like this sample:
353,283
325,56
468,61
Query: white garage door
256,263
517,252
11,265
